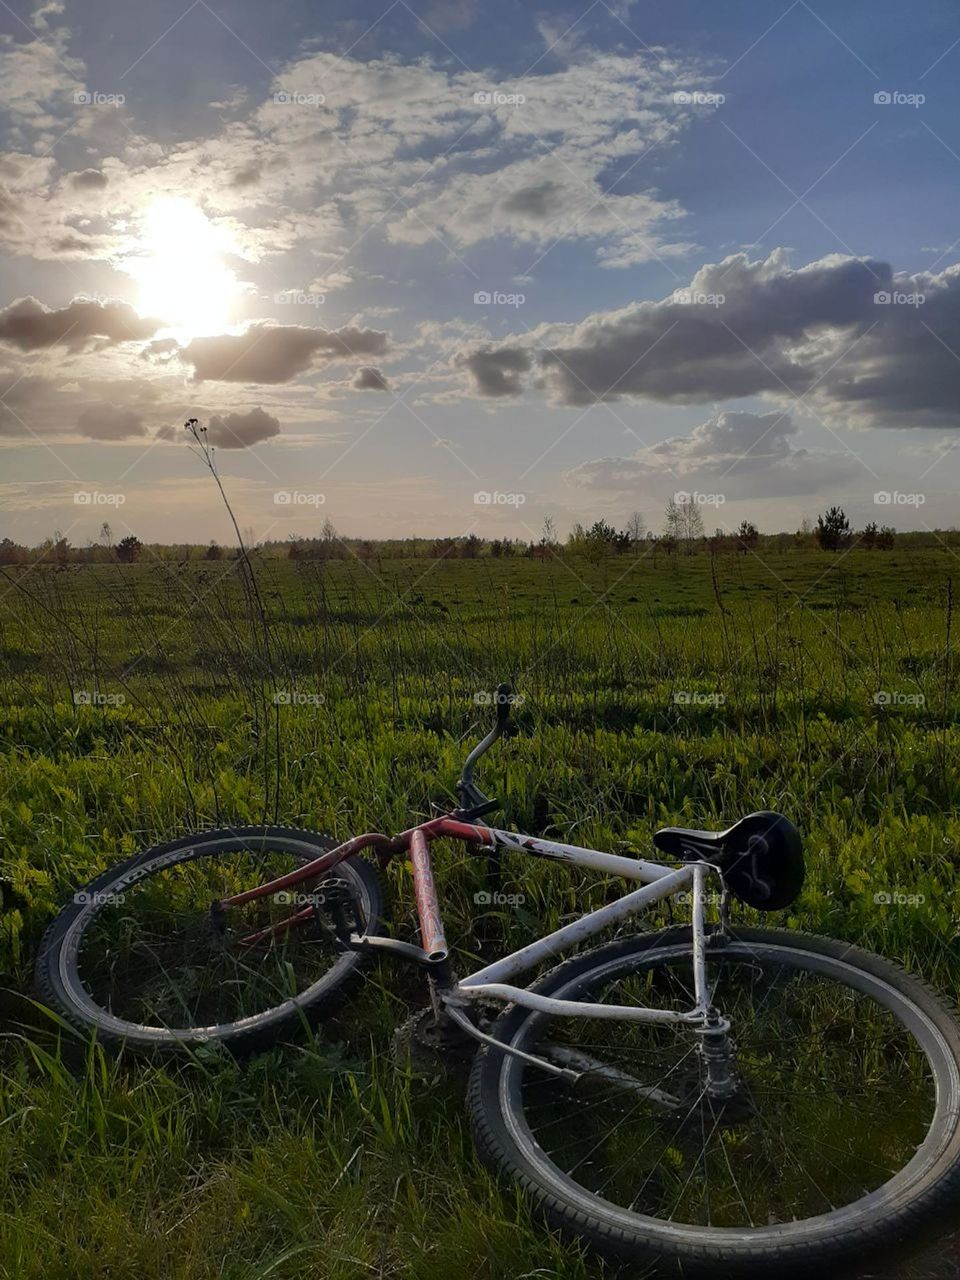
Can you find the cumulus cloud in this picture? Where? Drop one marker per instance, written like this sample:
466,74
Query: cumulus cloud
862,344
109,422
369,379
241,430
90,408
89,180
741,454
496,371
230,430
271,353
31,326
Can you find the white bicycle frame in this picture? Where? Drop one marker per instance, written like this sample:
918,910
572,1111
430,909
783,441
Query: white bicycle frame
659,882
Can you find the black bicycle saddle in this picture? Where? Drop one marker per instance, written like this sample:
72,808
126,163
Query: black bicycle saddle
760,857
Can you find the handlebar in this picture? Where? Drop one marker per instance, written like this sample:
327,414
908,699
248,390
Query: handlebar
469,793
504,695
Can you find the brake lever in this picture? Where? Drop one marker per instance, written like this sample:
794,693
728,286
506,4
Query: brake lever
477,810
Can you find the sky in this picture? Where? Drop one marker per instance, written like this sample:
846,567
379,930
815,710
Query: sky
445,268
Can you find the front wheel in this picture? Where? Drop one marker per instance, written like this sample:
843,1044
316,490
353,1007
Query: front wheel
141,956
842,1130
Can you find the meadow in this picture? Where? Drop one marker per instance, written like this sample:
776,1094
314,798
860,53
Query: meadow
141,701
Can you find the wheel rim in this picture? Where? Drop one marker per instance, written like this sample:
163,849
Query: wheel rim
149,957
701,1173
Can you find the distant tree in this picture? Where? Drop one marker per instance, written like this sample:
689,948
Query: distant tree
128,549
804,534
548,532
213,552
886,537
636,527
683,522
442,547
60,549
833,529
747,536
867,537
470,547
673,520
691,523
11,552
106,534
602,532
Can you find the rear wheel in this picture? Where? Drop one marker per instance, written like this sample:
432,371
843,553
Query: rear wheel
842,1132
140,957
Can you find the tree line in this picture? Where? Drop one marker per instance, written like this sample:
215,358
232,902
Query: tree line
683,532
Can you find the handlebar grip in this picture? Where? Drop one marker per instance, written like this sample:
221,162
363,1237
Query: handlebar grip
504,696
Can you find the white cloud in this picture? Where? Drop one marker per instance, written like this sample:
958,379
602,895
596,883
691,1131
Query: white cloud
736,454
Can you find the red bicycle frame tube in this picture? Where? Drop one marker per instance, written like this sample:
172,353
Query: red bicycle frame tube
416,839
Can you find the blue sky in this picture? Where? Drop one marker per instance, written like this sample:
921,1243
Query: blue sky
395,256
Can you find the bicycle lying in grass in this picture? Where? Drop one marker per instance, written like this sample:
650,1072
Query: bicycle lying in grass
707,1096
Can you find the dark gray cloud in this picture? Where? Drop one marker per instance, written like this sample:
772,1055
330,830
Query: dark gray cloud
738,330
825,331
497,371
31,326
89,180
109,422
241,430
369,379
538,202
270,353
229,430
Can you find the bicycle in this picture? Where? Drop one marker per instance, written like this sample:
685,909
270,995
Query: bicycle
704,1095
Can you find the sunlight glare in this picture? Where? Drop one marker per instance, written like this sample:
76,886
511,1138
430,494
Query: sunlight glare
180,271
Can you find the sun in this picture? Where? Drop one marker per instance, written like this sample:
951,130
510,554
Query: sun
179,268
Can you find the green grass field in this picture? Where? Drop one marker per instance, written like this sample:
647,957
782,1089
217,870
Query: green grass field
136,705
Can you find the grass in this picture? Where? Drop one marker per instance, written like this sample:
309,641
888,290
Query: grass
140,701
